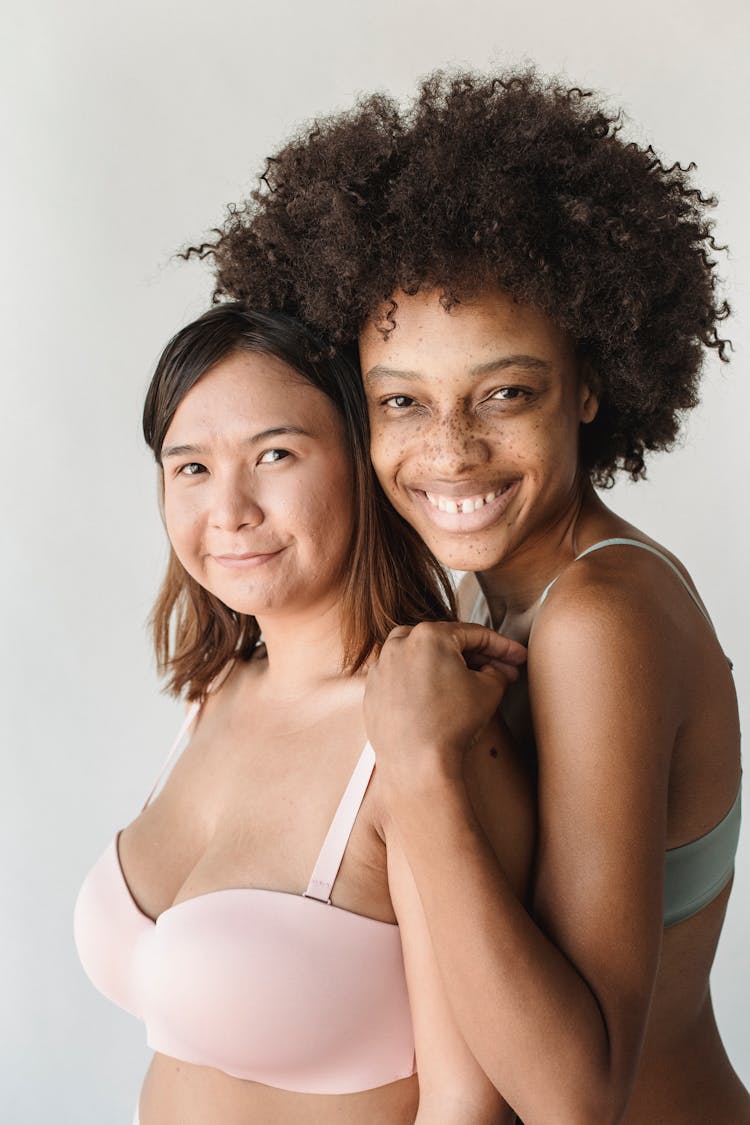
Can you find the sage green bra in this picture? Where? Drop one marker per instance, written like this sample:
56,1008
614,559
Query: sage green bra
694,873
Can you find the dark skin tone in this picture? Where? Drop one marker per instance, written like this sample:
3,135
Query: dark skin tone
590,1012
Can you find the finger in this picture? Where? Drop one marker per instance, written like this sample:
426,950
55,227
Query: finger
498,677
512,672
477,640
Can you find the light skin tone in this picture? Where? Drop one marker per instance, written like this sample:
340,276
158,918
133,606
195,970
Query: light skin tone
590,1011
258,508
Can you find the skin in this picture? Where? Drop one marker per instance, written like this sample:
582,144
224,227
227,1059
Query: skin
258,508
589,1011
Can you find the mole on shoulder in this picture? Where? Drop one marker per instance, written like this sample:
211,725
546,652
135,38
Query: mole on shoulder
493,752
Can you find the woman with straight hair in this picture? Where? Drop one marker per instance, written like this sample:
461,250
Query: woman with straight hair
258,914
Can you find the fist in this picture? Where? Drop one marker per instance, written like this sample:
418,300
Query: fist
429,696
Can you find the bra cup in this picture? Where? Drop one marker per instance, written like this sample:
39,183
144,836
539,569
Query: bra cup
109,932
267,986
283,990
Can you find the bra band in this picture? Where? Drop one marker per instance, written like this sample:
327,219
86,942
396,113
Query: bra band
695,873
186,724
331,854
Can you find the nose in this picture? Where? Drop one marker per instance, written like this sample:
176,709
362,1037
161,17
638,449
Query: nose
234,504
456,444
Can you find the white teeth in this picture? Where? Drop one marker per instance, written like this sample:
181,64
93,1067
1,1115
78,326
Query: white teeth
470,504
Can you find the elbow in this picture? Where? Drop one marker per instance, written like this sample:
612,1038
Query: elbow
589,1106
606,1109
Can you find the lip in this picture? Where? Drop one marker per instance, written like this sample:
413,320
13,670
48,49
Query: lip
246,561
459,522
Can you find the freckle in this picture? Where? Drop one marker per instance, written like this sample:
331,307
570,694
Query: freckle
493,752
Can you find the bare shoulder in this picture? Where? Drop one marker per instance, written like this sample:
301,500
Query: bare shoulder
609,654
623,599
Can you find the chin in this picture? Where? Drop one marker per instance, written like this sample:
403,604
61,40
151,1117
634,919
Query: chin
465,556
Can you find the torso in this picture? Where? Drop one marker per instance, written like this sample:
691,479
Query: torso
248,805
684,1077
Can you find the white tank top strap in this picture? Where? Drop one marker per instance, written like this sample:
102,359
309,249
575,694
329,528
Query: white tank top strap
187,723
331,854
621,542
480,611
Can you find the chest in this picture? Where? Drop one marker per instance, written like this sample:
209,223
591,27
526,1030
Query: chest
249,805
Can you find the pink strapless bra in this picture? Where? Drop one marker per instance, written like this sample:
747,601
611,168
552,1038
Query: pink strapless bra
274,987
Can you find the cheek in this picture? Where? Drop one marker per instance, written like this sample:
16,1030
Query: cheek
182,520
554,448
323,517
388,449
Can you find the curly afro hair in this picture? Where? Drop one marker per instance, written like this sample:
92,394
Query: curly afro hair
512,181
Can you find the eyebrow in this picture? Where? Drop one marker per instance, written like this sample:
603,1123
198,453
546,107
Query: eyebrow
529,362
263,435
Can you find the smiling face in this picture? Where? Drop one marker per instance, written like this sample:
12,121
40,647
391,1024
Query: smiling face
257,488
475,416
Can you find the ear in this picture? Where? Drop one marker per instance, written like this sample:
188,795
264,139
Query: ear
588,393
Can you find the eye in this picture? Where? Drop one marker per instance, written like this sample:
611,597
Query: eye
192,469
398,402
510,394
271,456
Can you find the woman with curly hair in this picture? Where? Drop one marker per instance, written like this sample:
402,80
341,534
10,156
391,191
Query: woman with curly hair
532,297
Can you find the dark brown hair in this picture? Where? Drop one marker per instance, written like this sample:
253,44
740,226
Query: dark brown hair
514,181
391,579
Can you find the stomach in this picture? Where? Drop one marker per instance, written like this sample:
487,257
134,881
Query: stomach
179,1093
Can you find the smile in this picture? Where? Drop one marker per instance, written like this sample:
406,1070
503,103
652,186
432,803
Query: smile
464,504
468,513
245,561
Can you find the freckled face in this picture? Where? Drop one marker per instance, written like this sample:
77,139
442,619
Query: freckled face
257,488
475,417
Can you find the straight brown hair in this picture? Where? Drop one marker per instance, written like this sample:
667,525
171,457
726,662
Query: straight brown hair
392,578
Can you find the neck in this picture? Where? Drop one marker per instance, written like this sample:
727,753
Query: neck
303,652
513,587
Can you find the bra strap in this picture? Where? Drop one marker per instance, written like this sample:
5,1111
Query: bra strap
480,611
659,555
184,728
331,854
644,547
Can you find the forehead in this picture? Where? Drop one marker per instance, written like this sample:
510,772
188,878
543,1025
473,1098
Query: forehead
478,330
247,388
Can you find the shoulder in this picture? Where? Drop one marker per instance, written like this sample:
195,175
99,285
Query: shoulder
609,660
621,600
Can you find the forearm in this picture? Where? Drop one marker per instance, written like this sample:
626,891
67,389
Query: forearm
530,1019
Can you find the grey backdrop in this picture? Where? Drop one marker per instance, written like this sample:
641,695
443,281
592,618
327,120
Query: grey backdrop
124,131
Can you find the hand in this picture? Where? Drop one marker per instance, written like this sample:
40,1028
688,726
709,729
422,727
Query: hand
429,696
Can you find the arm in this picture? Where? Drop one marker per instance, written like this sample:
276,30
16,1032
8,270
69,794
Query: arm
554,1011
454,1090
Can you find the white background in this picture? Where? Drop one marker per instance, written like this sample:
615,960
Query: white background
125,129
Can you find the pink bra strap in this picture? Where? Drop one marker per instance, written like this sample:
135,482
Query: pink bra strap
184,728
331,854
